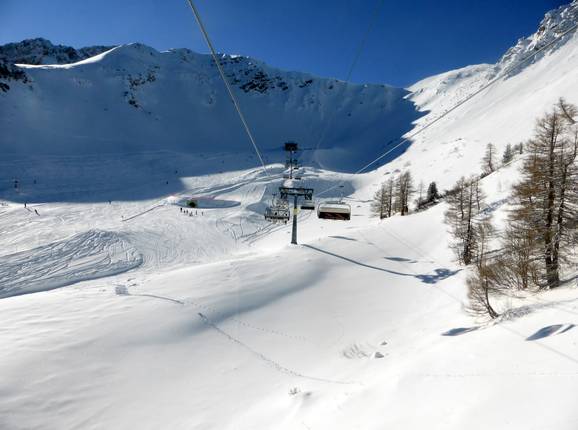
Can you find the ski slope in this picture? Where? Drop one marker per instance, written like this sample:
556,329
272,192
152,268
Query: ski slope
362,325
122,308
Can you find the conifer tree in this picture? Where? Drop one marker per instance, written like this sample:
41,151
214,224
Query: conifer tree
432,193
464,204
484,280
404,190
508,155
489,160
382,204
546,199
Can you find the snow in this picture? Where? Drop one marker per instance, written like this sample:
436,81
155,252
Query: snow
94,254
133,98
121,311
221,344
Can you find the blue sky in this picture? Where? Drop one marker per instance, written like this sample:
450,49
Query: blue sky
411,39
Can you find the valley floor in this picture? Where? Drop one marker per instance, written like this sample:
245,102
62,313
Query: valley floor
151,318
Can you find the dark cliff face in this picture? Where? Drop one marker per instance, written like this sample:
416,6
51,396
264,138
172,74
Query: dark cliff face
9,72
38,52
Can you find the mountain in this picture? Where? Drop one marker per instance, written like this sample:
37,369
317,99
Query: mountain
133,98
503,113
42,51
122,307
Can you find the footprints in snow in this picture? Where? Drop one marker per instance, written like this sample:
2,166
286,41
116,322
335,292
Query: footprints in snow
362,351
122,290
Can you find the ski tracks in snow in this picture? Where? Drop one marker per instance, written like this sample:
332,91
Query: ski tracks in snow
90,255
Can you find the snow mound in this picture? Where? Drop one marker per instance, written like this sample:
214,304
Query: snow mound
90,255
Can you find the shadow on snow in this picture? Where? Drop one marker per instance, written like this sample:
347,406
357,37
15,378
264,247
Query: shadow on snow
439,274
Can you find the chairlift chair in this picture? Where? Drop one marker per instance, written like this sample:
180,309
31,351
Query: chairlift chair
334,210
308,205
278,211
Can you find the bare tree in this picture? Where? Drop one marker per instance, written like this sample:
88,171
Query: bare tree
420,192
382,204
378,203
389,203
484,281
464,204
404,190
520,259
489,160
546,199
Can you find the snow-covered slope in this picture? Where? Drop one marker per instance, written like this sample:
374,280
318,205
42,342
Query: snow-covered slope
134,98
504,113
175,318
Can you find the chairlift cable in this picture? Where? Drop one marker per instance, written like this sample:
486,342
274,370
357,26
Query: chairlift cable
229,90
360,48
462,102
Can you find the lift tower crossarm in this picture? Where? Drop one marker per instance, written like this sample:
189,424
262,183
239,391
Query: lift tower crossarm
298,191
285,192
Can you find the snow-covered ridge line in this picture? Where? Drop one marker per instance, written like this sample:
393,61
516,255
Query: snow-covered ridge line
440,92
175,100
40,51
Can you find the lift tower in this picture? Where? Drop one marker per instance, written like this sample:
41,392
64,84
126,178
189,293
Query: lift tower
285,192
296,192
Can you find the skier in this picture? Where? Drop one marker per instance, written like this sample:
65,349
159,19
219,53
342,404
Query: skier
24,204
36,212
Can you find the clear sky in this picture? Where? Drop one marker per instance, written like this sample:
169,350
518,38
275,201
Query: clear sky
411,39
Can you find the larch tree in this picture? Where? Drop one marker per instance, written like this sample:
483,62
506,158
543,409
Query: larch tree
403,190
546,199
382,204
420,192
465,202
484,281
378,203
489,159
